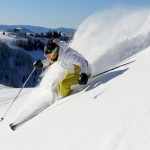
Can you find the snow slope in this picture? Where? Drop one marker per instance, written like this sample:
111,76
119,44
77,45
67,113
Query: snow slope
112,112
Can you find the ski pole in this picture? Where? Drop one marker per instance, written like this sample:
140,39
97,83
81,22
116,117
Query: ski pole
18,94
112,69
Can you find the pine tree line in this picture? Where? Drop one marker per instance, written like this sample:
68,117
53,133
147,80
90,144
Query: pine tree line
49,34
36,43
15,67
30,44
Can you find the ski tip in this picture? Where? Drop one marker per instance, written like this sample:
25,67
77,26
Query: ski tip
12,126
2,119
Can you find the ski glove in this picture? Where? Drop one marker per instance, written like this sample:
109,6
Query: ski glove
38,64
83,79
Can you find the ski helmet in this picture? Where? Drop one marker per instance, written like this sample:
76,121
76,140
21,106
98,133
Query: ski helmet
49,47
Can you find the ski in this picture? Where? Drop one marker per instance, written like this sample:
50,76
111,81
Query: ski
13,127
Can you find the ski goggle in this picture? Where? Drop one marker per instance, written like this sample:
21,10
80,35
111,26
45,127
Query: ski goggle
50,53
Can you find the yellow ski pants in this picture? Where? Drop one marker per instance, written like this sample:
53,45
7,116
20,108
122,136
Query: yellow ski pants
68,80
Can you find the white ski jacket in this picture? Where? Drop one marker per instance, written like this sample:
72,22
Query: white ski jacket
68,57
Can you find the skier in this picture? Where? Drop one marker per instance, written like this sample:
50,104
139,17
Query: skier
78,68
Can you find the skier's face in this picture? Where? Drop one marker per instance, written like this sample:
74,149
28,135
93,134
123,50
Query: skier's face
53,54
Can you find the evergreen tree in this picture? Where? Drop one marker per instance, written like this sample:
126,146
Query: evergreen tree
15,66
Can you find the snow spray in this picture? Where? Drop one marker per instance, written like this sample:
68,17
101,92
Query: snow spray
107,38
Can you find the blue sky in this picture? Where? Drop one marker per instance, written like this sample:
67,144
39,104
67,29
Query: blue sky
57,13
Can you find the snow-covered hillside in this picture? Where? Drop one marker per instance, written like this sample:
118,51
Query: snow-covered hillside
10,41
112,112
15,66
14,62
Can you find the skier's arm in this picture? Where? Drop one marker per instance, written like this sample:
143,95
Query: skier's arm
77,59
80,61
47,62
41,64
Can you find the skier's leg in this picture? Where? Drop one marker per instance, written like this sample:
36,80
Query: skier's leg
68,80
64,86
